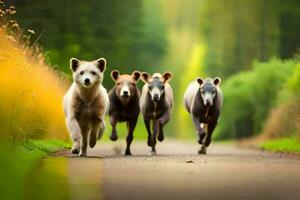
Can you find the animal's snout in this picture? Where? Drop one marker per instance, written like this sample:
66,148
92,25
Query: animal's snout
125,93
155,97
208,103
87,81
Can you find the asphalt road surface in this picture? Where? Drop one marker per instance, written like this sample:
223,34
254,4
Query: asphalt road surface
178,172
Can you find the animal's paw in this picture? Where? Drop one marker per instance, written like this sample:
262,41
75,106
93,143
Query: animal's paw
153,152
75,148
82,154
202,151
207,141
160,137
92,142
75,151
113,137
127,153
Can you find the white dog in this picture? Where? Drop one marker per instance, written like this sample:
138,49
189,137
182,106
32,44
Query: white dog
86,104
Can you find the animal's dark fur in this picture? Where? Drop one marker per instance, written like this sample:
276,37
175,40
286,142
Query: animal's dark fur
159,112
124,112
207,115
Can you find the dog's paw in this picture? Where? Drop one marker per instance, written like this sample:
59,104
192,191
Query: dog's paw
75,151
113,137
127,153
160,137
202,150
92,142
82,154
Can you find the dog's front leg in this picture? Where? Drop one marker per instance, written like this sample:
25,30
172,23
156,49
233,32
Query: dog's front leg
74,130
84,137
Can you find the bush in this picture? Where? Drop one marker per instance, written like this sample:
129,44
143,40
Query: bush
249,96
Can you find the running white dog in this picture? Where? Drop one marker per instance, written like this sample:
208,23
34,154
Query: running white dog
86,104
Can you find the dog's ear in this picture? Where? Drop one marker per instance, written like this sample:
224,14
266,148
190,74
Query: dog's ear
167,76
217,81
101,64
200,81
114,75
74,64
145,77
136,75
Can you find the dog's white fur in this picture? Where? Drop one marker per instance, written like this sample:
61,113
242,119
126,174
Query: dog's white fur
85,105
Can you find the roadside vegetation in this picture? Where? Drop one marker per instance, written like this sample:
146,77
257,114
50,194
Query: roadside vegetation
31,120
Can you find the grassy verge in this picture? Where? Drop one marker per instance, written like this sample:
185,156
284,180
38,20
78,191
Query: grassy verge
18,165
42,148
290,145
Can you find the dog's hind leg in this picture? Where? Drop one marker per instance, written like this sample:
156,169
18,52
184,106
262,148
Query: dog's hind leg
74,130
95,126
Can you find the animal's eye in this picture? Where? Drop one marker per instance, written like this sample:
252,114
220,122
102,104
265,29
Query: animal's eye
93,73
82,72
162,87
118,83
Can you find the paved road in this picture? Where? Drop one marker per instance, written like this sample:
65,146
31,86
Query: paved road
177,172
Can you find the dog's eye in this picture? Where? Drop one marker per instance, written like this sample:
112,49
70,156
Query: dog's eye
118,83
93,73
81,73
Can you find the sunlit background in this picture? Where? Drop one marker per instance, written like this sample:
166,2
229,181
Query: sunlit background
253,45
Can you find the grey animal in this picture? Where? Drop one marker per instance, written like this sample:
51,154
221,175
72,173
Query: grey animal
156,104
203,99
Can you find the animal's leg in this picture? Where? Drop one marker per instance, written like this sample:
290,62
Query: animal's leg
94,132
147,124
155,131
84,137
210,128
113,122
130,126
101,128
161,122
74,130
199,130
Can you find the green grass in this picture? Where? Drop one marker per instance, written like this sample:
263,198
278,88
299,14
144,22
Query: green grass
20,162
290,144
42,148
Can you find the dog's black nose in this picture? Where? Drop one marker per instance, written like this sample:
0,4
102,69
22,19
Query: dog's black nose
126,93
87,81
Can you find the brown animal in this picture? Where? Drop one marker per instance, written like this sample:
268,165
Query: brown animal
156,104
203,100
124,104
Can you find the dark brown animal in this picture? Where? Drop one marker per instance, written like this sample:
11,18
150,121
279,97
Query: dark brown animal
156,104
203,100
124,104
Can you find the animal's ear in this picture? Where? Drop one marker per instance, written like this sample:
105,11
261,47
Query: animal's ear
167,76
145,77
136,75
217,80
101,64
114,75
74,64
200,80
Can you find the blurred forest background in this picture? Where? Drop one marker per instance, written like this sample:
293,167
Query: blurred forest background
253,45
